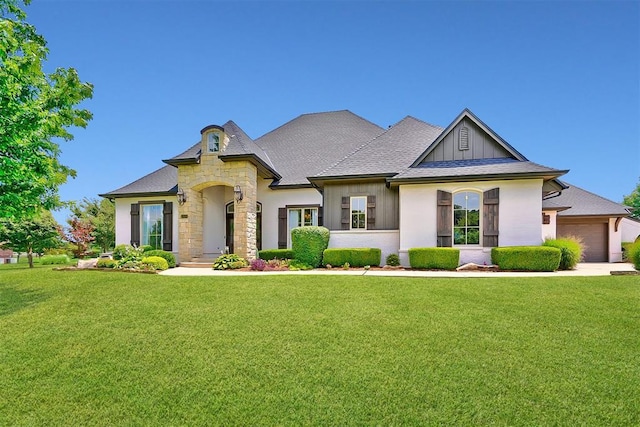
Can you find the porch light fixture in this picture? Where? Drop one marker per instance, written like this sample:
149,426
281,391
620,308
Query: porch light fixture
238,192
181,196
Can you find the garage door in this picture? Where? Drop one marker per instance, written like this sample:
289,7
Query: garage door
594,237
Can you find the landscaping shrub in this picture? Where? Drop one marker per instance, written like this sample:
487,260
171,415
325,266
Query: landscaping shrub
147,248
54,259
258,264
393,260
158,263
633,254
526,258
434,258
120,251
308,244
229,262
269,254
356,257
106,263
625,250
170,257
570,251
296,265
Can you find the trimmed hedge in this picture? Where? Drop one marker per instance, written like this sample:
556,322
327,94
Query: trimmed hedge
633,254
434,258
55,259
526,258
158,263
269,254
570,251
170,257
308,244
356,257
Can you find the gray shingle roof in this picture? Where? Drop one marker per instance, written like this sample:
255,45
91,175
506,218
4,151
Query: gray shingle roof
311,143
240,145
389,153
584,203
161,181
485,168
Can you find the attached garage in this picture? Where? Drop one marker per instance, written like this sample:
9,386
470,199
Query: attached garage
592,218
594,233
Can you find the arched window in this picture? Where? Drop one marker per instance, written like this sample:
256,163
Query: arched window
466,218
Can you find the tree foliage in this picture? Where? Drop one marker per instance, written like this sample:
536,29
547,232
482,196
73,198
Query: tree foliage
33,235
633,200
79,234
101,214
35,109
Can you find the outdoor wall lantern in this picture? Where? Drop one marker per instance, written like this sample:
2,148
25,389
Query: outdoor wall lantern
181,196
238,192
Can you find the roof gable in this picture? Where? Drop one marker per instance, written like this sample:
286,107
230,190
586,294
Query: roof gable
468,138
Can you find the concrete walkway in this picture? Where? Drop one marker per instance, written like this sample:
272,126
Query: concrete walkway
584,269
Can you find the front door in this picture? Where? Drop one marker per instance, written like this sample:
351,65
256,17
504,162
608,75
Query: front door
229,226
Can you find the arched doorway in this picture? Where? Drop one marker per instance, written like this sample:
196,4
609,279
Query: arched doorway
229,209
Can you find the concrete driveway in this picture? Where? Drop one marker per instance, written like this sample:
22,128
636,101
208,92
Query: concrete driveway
583,269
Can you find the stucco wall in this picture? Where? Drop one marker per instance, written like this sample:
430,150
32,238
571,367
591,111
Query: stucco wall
615,241
520,215
549,230
630,230
123,218
214,201
387,241
272,200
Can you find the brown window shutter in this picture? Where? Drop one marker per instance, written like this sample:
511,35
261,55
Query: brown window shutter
167,226
490,209
345,220
371,212
282,228
135,224
444,218
320,218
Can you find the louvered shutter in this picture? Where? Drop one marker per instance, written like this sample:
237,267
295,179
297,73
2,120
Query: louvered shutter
345,218
444,218
490,209
167,226
371,212
135,224
282,228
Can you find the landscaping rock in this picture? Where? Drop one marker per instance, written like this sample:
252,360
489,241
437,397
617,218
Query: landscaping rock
472,266
87,263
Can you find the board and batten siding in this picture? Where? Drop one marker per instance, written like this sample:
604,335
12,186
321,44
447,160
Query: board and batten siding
386,204
480,145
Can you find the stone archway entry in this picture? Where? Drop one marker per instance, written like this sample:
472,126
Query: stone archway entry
229,228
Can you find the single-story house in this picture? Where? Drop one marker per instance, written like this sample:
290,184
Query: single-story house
411,185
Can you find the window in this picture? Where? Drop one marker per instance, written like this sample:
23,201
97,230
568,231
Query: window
302,217
152,226
466,218
359,213
213,142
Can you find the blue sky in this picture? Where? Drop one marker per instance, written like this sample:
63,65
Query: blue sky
560,81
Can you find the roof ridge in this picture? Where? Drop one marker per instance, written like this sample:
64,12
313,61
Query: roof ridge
360,147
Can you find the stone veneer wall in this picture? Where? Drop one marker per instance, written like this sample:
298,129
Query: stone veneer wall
212,171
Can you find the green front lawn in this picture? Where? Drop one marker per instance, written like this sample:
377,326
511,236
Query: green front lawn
103,348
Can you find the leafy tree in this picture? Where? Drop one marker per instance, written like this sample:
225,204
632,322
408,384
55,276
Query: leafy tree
79,234
633,200
35,109
101,214
33,235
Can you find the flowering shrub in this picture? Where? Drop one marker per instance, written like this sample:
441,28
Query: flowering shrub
258,264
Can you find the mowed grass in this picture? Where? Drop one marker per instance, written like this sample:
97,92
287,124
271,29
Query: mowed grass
95,348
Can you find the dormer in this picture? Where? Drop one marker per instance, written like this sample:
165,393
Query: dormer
214,139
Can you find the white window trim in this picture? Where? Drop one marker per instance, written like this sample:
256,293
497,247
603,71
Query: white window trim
143,235
302,209
351,213
453,220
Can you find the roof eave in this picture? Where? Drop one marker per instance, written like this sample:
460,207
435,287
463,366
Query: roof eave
482,177
321,180
264,170
183,161
171,192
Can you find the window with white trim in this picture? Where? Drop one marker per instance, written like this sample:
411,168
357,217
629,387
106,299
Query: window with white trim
359,213
302,217
213,142
466,218
151,225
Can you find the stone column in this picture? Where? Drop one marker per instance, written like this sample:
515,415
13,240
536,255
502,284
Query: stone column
245,217
190,228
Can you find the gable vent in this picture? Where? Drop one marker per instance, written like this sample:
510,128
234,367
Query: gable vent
463,139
